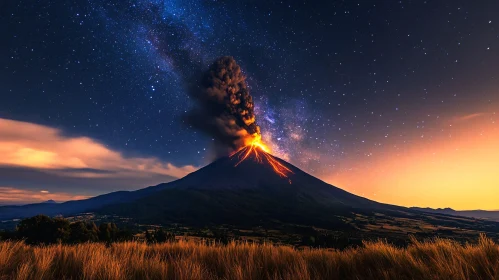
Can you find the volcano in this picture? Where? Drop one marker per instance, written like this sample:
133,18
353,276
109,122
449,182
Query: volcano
253,189
250,186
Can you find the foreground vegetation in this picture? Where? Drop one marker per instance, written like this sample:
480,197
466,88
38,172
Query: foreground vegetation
44,230
438,259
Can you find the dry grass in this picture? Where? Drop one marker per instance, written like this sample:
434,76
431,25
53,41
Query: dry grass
439,259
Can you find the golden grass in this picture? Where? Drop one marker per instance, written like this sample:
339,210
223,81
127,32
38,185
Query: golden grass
438,259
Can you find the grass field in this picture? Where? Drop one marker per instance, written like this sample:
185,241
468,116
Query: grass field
438,259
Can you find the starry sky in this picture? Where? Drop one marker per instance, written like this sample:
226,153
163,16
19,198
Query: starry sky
392,100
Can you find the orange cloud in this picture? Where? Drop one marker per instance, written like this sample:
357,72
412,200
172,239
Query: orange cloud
9,195
29,145
468,117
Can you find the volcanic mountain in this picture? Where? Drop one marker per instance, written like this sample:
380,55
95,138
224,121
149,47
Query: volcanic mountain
249,185
251,188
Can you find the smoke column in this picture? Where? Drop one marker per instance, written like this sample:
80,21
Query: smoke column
224,109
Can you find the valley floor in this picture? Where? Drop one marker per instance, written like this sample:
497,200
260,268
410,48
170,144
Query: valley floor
438,259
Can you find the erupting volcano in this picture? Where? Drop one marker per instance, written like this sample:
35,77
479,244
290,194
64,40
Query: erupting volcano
225,112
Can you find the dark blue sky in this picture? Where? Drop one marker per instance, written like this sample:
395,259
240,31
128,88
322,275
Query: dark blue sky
332,80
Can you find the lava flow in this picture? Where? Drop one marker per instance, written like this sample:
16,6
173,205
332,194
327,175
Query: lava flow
260,152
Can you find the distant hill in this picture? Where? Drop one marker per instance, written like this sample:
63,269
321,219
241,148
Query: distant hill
50,201
479,214
74,206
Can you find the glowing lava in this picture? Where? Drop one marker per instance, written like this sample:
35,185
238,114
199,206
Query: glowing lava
260,152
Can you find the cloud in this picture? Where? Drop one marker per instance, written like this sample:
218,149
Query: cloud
29,145
9,195
468,117
35,157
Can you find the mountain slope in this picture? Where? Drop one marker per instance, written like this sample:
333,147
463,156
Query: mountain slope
254,170
246,189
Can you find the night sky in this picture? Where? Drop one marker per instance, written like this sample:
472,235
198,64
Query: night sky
392,100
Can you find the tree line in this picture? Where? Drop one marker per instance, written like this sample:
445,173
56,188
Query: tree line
42,229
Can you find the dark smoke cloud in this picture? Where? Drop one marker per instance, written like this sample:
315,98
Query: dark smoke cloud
225,109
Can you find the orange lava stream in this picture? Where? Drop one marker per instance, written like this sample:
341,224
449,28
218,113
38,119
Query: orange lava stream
260,152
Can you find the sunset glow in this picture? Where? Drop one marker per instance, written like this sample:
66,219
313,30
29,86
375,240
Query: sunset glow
31,145
459,169
9,195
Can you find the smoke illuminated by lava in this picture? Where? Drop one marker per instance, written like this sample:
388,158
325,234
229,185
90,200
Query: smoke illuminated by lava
226,112
225,108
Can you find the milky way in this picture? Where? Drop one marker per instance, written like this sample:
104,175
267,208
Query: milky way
178,39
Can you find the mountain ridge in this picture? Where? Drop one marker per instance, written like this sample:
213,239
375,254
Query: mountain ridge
492,215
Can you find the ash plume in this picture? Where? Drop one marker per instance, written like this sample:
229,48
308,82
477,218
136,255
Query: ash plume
224,109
